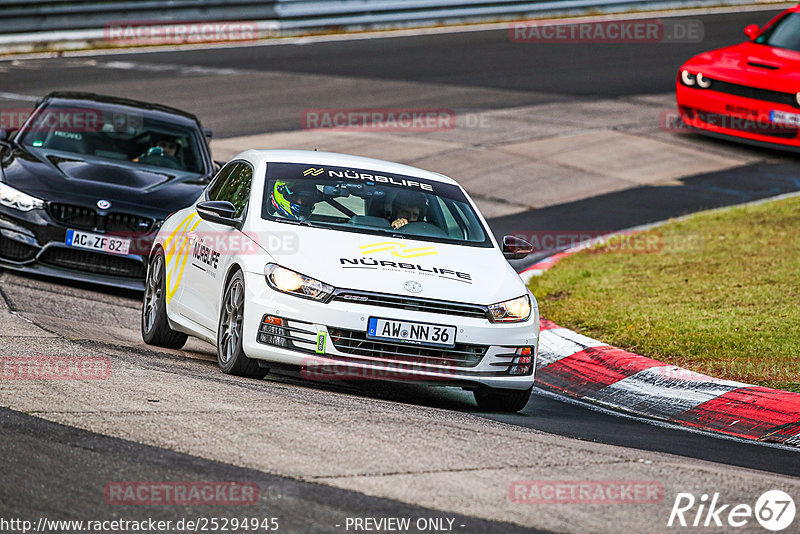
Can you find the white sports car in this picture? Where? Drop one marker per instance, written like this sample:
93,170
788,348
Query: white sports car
347,268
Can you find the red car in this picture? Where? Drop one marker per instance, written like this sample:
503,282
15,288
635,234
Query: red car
749,91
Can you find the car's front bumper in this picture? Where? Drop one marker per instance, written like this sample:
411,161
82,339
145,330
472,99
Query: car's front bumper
33,242
484,355
740,117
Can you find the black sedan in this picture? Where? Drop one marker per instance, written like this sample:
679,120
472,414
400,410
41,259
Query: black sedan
87,181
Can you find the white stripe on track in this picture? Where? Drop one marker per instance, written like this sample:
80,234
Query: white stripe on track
663,392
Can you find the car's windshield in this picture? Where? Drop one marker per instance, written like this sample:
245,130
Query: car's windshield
371,202
114,132
783,34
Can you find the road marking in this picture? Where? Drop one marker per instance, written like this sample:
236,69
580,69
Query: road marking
15,96
182,70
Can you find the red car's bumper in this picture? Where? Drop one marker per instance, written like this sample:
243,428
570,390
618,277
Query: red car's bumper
749,119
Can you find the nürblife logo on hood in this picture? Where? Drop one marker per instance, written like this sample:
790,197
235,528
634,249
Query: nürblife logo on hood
403,251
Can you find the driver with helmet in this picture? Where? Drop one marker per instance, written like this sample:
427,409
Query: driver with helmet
294,200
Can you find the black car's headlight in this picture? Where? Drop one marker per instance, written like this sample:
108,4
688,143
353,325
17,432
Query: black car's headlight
287,281
14,198
511,311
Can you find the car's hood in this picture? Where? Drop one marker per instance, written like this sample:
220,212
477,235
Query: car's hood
350,260
748,63
83,180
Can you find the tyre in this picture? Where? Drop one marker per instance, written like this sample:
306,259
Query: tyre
502,400
155,327
230,354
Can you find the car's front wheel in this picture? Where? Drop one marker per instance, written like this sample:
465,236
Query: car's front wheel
502,400
230,354
155,327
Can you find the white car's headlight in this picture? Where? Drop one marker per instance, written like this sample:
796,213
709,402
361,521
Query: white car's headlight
511,311
14,198
287,281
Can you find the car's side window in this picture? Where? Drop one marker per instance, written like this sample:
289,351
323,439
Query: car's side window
216,185
235,187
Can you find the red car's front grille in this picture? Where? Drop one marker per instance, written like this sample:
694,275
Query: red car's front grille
754,92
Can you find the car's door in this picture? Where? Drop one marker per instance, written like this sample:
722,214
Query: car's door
214,246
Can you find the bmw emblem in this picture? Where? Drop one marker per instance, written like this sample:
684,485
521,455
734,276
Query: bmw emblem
103,204
412,286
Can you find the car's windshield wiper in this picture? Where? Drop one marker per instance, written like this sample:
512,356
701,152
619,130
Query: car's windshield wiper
299,223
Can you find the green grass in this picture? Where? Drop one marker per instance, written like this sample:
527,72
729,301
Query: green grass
718,293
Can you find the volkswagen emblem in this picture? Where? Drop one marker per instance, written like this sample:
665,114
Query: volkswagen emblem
103,204
412,286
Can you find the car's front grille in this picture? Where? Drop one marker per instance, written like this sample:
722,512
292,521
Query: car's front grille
442,307
730,122
356,343
123,222
13,250
754,93
73,216
93,262
84,218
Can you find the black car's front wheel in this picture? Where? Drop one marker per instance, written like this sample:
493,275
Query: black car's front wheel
155,327
502,400
230,354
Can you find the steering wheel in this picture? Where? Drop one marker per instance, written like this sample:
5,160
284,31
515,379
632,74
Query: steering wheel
160,161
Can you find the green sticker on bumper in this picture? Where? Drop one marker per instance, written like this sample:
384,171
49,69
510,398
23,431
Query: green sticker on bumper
321,342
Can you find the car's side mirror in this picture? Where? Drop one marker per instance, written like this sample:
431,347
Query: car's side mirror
218,165
751,31
208,132
218,211
5,139
515,248
6,135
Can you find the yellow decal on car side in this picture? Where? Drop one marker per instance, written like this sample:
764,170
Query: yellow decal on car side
176,252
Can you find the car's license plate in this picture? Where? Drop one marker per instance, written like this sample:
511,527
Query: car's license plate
408,332
104,243
783,117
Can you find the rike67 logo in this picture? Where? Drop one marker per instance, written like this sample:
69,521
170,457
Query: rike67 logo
774,510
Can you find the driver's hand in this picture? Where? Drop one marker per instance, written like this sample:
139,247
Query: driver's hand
399,223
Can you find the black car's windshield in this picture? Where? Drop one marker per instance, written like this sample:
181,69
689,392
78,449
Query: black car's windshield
114,132
371,202
783,34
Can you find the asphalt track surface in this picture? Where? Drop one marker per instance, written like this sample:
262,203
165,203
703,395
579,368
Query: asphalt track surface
473,70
